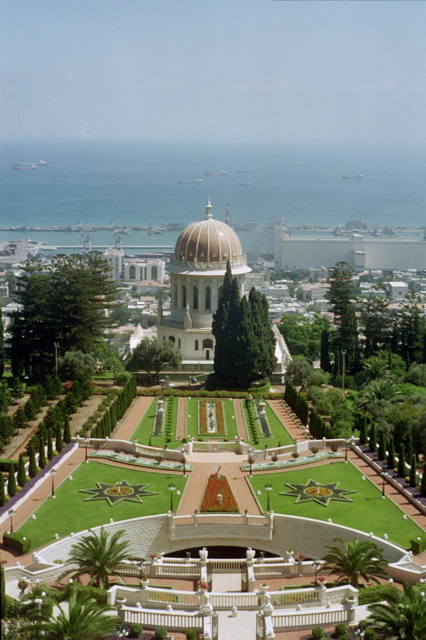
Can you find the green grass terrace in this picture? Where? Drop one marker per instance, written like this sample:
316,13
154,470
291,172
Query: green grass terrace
364,509
72,510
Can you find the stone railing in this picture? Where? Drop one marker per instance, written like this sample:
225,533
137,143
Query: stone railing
172,620
223,526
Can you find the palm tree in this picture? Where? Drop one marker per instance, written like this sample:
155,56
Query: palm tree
98,556
377,395
375,369
404,618
357,559
85,618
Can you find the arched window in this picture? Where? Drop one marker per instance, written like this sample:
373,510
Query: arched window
208,343
196,345
195,298
132,272
183,296
172,339
179,343
174,301
208,299
154,273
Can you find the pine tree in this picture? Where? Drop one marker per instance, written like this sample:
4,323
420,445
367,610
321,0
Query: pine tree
372,444
42,462
22,476
381,453
32,468
341,294
402,468
67,430
50,454
11,481
2,492
391,454
59,445
413,471
423,483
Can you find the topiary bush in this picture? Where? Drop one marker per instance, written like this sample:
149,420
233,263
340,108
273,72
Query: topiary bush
191,634
14,540
339,630
160,633
318,633
135,630
369,634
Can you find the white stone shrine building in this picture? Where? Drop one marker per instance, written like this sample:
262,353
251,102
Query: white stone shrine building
197,269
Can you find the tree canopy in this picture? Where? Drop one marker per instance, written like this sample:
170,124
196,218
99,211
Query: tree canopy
151,356
66,304
303,335
245,343
341,297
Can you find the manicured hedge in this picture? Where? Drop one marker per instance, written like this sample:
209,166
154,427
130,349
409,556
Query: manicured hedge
14,540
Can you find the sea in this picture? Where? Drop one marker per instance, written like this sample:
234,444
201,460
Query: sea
136,183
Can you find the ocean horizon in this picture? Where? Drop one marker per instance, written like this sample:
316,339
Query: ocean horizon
152,183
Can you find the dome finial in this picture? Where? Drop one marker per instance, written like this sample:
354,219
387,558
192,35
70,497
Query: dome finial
208,209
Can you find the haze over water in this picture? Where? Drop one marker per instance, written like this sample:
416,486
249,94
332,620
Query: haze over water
136,183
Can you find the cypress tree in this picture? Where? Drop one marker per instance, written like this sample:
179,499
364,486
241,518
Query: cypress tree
413,471
402,469
42,462
32,468
22,476
382,446
362,430
372,445
325,351
220,322
67,429
59,442
3,604
391,454
2,492
423,482
50,454
11,481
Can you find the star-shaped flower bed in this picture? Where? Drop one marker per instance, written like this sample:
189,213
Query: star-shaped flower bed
317,492
114,493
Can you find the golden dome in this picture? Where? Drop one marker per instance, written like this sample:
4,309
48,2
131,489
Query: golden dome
208,241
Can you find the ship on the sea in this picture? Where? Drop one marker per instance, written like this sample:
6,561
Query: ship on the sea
357,176
42,163
222,172
29,166
196,181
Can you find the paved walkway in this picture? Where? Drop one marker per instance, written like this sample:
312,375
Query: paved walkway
134,414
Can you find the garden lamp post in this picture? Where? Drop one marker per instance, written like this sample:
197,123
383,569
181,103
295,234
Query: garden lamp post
316,565
383,474
52,475
268,488
343,372
87,441
171,489
346,449
56,345
162,382
11,513
183,461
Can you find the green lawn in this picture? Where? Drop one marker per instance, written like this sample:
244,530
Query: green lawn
143,432
368,511
280,435
70,511
192,420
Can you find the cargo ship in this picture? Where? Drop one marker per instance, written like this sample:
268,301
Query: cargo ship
24,167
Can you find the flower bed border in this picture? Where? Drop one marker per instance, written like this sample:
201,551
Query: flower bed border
209,502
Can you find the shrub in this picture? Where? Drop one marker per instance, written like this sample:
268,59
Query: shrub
339,630
318,633
160,633
14,540
191,634
369,634
376,593
135,630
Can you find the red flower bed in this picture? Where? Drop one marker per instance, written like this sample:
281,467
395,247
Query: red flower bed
220,420
210,502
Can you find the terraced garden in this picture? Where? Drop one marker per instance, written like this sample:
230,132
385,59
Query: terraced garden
363,509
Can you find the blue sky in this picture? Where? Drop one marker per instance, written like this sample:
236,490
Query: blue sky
256,70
